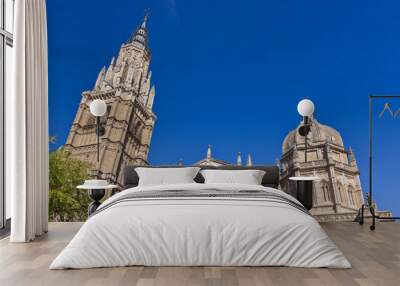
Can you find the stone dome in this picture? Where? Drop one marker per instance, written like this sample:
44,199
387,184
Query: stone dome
319,133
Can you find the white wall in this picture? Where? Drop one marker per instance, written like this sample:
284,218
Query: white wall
8,69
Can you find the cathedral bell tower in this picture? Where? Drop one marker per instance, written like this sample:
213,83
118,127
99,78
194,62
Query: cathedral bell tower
125,86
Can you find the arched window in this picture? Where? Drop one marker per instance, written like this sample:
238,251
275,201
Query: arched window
342,195
358,197
328,194
350,191
325,193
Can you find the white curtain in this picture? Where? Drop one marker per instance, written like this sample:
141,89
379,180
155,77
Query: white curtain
27,124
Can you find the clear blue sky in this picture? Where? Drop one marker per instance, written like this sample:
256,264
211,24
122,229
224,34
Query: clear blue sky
230,73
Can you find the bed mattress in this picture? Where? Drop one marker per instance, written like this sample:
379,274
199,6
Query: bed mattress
201,225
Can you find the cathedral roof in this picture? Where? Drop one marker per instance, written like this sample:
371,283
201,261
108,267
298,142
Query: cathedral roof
319,133
210,161
141,34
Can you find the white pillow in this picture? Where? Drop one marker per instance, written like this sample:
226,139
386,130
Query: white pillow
248,177
166,176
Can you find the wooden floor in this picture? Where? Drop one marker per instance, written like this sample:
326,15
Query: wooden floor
375,257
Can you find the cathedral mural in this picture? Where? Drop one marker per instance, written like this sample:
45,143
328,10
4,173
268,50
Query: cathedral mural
338,194
126,132
125,86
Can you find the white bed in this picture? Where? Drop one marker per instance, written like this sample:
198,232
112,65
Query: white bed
186,230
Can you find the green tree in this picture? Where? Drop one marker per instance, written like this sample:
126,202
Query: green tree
66,202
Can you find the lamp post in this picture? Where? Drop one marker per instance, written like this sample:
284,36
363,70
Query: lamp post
96,188
98,108
305,109
304,183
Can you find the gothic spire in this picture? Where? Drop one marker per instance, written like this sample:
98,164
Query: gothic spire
146,16
279,164
140,36
150,99
239,159
352,158
100,78
209,153
249,160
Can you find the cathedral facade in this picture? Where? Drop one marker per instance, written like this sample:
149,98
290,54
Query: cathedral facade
125,86
209,160
337,195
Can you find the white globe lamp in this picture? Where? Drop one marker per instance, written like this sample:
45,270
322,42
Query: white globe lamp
305,107
98,107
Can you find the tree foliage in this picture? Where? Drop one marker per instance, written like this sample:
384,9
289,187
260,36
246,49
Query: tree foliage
66,202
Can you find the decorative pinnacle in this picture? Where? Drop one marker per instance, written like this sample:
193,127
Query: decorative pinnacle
209,152
249,160
146,16
239,159
140,35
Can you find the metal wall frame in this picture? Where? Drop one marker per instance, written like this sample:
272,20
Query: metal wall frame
2,93
370,173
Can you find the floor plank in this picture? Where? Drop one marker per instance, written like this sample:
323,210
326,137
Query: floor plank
375,257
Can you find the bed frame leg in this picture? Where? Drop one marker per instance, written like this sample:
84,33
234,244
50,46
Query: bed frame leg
360,215
372,210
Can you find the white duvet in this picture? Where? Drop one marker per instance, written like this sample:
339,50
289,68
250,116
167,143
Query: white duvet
200,231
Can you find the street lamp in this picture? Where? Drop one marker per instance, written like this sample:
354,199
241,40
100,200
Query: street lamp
305,109
96,188
98,108
305,184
